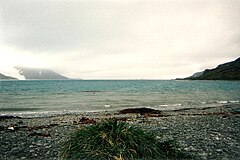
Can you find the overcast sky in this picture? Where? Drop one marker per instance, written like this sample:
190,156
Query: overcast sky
119,39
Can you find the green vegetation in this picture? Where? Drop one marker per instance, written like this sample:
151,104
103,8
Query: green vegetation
117,140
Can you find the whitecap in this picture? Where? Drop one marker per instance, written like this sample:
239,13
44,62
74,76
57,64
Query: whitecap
222,102
178,104
234,101
107,106
164,105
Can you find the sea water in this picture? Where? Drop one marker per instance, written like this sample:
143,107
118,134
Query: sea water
40,97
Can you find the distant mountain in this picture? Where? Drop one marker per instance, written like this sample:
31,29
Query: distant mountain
6,77
39,74
226,71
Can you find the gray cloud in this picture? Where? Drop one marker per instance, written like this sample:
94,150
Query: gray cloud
195,32
52,25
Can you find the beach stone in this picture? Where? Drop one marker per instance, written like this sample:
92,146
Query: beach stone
231,144
40,133
217,138
11,128
56,134
47,146
14,149
39,144
2,128
225,158
48,152
203,155
190,148
164,128
20,122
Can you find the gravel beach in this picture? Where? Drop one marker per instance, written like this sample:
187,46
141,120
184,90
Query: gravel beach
207,133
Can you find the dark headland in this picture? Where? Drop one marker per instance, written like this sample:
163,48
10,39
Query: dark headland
226,71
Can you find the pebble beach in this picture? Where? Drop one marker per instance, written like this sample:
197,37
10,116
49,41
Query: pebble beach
206,133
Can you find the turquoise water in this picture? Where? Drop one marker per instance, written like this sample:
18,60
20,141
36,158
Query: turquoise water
61,96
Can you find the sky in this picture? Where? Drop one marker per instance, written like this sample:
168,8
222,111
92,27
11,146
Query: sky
118,39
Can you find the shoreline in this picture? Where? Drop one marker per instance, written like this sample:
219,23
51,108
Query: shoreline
208,133
164,108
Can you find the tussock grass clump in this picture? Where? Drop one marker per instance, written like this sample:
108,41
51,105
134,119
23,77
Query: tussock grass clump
117,140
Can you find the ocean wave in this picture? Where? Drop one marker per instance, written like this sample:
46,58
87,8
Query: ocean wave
177,104
107,106
170,105
226,102
13,109
233,101
222,102
164,105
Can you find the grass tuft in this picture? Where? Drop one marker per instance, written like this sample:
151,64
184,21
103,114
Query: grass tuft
117,141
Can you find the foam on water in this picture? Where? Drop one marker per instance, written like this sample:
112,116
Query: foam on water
234,101
222,102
